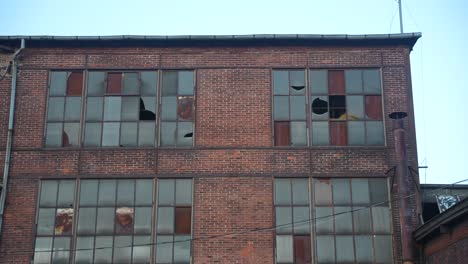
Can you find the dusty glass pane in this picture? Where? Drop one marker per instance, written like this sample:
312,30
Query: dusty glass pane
144,192
45,221
128,135
123,249
165,220
280,82
184,192
107,190
58,83
125,192
54,135
341,192
148,108
96,82
146,134
381,219
72,109
130,108
169,83
320,135
168,131
281,107
61,255
84,256
375,134
71,133
322,191
164,249
149,82
297,82
182,249
48,193
344,249
372,81
364,249
88,192
383,249
169,108
94,108
360,191
319,107
298,108
45,245
93,135
323,222
353,81
355,107
284,222
282,192
105,221
141,250
325,249
185,134
300,191
185,83
110,134
66,193
55,109
86,220
64,221
378,191
298,134
356,133
166,192
362,220
284,249
301,220
143,217
319,81
103,255
131,83
343,220
112,108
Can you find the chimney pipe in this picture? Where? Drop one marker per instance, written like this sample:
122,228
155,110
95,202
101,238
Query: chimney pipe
404,187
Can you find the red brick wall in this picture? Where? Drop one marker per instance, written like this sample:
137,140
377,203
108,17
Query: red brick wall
233,162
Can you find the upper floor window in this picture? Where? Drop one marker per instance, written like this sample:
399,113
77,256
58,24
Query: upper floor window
121,109
344,107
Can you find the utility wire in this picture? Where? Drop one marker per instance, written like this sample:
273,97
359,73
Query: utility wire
263,229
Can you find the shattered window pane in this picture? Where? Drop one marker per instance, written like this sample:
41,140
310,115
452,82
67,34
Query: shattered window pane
319,107
64,221
147,108
338,107
297,82
124,220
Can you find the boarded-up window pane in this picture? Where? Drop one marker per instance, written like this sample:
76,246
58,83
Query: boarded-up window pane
75,83
183,219
374,107
338,133
336,82
282,134
114,83
302,253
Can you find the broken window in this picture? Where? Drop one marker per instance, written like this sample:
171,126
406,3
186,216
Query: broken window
289,111
346,107
291,198
352,221
64,109
177,108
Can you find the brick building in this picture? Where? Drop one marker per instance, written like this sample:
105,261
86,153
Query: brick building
206,149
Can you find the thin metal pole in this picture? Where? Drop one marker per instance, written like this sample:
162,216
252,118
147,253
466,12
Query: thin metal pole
401,16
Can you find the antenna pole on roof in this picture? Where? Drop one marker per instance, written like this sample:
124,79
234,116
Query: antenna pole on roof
401,17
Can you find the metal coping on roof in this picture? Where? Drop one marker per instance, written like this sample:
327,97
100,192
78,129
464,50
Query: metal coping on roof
408,39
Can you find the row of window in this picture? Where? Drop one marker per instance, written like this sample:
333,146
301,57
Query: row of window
131,221
125,109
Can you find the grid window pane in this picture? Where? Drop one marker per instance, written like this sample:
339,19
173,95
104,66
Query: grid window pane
344,249
284,249
94,108
48,193
284,220
341,191
42,250
325,249
364,249
300,190
182,249
56,109
324,220
165,220
131,83
123,250
320,134
298,134
54,135
362,220
61,253
282,192
184,192
301,220
143,220
281,82
96,82
281,110
164,249
149,82
185,83
93,134
72,108
58,83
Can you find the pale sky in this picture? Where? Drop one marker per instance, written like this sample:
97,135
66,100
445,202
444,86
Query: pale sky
439,60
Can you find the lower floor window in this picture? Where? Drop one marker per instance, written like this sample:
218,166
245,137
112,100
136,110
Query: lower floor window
110,221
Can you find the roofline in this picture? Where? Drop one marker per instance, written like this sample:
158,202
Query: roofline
451,215
443,186
407,39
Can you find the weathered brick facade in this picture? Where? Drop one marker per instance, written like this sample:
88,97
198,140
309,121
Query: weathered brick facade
233,162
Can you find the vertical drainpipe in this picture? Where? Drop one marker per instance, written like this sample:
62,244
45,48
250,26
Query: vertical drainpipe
405,189
14,73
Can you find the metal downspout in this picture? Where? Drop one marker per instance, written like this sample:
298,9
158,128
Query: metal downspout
14,72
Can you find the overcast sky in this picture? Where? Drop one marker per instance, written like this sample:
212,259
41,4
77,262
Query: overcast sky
439,59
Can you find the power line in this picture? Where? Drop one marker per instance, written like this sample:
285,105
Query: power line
263,229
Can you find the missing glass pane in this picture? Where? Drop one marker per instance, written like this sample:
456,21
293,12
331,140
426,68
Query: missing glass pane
337,106
63,221
320,107
147,108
